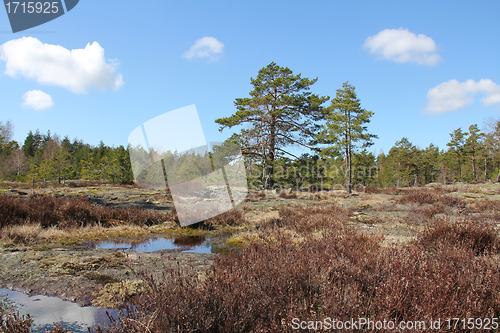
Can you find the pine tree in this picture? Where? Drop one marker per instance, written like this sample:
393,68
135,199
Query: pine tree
280,112
472,144
403,153
345,128
457,145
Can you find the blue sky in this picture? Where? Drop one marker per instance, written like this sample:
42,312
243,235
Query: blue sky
425,67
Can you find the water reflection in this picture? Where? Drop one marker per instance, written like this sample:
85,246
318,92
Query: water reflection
189,241
198,244
45,311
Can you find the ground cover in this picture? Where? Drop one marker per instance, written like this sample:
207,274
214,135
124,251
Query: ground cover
381,252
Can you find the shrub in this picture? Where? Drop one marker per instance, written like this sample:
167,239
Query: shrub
287,195
345,275
308,219
15,323
476,237
425,196
69,212
233,217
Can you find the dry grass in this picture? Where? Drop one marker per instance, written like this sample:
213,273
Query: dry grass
30,234
45,218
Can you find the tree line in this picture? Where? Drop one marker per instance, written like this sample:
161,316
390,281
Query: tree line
45,158
280,113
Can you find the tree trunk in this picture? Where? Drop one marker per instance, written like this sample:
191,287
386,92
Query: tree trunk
348,178
272,146
474,164
459,166
408,171
399,173
485,167
348,153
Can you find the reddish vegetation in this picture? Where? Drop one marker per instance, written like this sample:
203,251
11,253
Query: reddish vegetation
308,219
476,237
15,323
70,212
287,195
232,217
425,196
448,272
346,274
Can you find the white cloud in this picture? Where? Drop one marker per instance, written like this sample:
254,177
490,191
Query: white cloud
402,45
37,100
454,95
77,70
205,48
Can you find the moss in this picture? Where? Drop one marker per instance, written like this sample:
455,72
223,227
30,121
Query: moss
115,295
237,242
100,278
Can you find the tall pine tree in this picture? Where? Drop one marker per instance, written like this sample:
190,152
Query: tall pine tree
345,128
279,112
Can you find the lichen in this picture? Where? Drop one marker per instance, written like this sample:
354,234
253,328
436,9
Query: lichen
115,295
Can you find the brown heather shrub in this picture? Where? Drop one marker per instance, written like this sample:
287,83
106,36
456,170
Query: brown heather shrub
16,185
370,190
421,196
342,275
429,211
287,195
489,205
476,237
425,196
15,323
83,183
254,196
308,219
232,218
70,212
392,190
441,189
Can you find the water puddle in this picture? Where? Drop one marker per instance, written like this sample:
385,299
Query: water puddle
45,311
198,244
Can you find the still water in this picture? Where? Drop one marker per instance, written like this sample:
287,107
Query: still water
202,244
45,311
48,310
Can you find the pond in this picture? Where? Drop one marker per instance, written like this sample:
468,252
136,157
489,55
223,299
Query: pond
194,244
48,310
45,311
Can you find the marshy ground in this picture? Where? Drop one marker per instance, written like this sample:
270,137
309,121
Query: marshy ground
379,252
